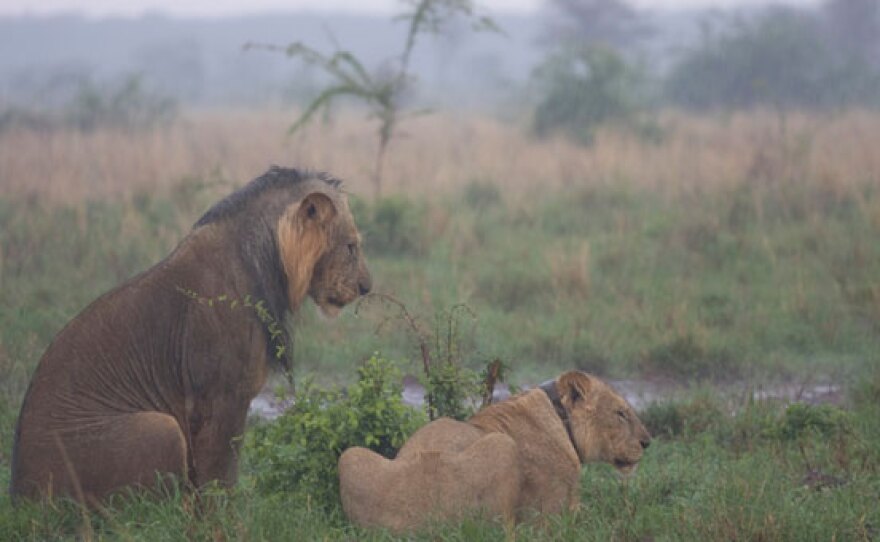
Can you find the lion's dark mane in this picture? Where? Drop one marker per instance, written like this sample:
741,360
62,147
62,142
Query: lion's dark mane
256,238
274,179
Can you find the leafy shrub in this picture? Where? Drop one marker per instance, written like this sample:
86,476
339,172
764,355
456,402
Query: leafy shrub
391,226
867,391
751,425
561,346
801,419
582,88
513,287
298,452
758,422
481,195
686,357
816,430
450,387
682,419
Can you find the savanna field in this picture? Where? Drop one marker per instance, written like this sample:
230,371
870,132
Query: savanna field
718,259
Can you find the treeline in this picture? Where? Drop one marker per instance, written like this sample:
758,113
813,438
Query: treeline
775,57
592,62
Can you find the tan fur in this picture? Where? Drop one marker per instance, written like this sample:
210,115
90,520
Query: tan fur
300,244
546,464
430,485
151,378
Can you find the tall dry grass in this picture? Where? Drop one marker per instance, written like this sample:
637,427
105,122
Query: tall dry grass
443,151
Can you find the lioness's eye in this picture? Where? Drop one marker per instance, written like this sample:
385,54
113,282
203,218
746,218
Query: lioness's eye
352,248
622,414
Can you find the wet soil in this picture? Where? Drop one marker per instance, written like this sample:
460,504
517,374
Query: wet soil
639,393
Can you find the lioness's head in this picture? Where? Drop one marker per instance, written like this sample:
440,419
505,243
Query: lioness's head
604,427
320,249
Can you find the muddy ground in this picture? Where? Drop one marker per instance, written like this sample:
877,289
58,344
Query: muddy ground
640,393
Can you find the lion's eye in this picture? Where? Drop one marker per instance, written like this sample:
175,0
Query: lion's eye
621,414
352,249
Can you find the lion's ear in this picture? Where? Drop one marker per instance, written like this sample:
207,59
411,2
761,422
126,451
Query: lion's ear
302,238
573,386
316,208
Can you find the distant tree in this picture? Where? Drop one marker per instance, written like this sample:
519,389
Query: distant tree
854,27
782,58
383,91
590,76
583,87
128,105
605,23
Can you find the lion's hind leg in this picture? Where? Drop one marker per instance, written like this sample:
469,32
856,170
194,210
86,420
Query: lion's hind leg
122,450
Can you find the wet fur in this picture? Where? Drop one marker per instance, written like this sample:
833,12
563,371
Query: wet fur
546,465
148,381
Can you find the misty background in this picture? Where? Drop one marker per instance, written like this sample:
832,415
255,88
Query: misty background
814,56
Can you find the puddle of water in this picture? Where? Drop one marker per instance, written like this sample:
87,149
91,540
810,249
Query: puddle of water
267,406
639,393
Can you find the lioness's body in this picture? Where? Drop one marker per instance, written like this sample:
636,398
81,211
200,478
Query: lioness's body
451,485
546,459
601,427
153,377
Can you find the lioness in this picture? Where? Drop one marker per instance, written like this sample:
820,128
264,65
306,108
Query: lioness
156,375
520,455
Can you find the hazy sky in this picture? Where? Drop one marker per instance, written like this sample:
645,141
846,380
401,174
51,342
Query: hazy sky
100,8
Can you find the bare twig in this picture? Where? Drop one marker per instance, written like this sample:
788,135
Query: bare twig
493,376
416,329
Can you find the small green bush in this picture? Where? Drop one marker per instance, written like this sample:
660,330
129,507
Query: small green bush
513,287
391,226
683,419
801,420
452,389
687,357
298,452
481,195
751,426
866,392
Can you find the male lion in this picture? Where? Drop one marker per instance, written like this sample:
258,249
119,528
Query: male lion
517,456
156,375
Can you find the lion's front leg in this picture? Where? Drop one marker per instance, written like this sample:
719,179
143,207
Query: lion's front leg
216,439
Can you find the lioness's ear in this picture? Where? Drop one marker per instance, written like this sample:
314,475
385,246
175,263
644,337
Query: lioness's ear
316,208
573,386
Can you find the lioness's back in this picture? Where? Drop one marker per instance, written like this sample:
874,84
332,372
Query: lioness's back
443,434
409,491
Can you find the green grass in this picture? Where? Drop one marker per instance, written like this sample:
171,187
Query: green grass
742,283
728,480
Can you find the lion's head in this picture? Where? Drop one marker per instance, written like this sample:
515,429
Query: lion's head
320,250
604,427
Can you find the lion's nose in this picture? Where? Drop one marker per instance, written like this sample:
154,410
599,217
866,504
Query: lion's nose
645,442
364,286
